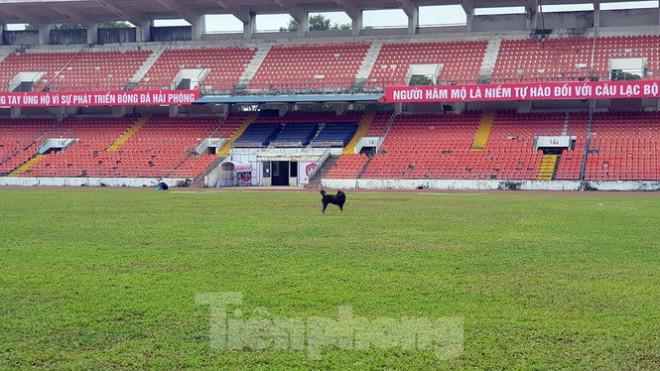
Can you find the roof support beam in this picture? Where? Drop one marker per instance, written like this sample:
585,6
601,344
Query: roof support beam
468,7
111,6
349,8
25,17
408,7
240,13
298,14
175,8
73,16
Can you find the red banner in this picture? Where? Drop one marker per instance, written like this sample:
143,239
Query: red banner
509,92
99,98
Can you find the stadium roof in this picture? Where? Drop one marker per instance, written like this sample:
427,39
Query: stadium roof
139,11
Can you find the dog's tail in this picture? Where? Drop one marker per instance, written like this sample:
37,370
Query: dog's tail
323,193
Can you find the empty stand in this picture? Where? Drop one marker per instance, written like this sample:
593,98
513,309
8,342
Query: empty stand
640,46
348,166
624,146
295,135
533,60
19,140
310,66
438,146
97,70
335,134
258,135
161,147
460,60
226,66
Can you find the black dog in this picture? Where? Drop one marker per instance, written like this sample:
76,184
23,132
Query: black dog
339,199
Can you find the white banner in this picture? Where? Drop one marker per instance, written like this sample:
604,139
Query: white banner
304,170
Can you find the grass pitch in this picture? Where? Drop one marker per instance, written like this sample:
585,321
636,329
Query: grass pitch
107,278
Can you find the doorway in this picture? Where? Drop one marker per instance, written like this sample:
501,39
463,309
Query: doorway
280,173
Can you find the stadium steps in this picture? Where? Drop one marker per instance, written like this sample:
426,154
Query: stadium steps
253,67
127,135
547,168
489,61
146,66
199,180
481,138
369,61
365,123
224,151
315,181
26,166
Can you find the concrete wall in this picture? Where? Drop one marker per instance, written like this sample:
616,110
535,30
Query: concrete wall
499,23
567,20
21,37
90,182
67,37
175,33
490,185
117,36
627,18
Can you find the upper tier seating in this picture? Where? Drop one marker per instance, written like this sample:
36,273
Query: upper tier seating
461,61
99,70
532,60
310,66
226,65
642,46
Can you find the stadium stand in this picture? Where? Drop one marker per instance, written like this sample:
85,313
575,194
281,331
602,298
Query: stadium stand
460,60
534,60
310,66
624,146
18,141
226,66
161,147
335,134
101,70
258,135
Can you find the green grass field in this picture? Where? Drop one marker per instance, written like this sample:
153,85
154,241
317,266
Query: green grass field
107,278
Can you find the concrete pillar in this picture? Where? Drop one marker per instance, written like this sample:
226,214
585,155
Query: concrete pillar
118,111
199,28
303,26
2,33
341,108
143,31
250,27
174,111
398,108
596,18
93,33
44,34
15,112
468,21
413,22
356,25
285,108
